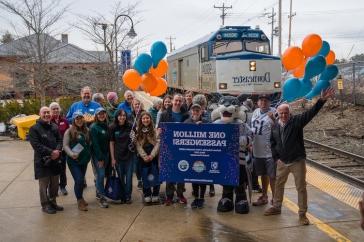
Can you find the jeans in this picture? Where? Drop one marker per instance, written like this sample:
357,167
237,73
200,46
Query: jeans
48,189
199,190
150,178
78,173
137,166
125,173
100,177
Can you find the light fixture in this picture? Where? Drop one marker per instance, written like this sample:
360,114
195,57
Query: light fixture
252,65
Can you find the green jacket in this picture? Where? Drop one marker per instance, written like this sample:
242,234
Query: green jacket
85,155
110,110
100,141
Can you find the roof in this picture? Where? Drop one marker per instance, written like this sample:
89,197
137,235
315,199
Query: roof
56,51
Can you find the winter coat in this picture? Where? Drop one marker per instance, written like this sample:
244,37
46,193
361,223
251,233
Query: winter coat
287,142
44,138
62,124
154,113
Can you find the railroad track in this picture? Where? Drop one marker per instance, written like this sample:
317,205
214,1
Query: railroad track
345,165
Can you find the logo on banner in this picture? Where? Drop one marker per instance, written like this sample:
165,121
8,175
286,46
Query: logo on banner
198,166
214,167
183,165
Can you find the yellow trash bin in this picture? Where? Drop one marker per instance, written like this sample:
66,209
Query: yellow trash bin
23,124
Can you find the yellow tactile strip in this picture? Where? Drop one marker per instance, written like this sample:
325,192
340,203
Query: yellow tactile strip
340,190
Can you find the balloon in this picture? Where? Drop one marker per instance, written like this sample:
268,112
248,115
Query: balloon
161,69
306,87
300,70
311,45
314,66
149,82
324,49
143,63
316,90
329,73
160,89
158,51
132,79
292,58
330,58
291,88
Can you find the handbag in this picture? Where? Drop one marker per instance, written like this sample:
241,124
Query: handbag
113,186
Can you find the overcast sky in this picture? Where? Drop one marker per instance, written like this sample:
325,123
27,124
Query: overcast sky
336,21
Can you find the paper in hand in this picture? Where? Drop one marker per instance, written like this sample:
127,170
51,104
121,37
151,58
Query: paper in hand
77,148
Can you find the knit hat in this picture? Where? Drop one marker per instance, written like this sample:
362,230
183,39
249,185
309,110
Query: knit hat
111,96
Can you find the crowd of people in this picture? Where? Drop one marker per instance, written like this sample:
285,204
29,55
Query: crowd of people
125,138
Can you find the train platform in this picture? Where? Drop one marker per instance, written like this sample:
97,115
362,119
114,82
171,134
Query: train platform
332,210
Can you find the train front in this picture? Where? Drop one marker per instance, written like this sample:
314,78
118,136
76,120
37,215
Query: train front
244,64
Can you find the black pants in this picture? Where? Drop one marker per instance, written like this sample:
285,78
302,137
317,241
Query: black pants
62,176
198,190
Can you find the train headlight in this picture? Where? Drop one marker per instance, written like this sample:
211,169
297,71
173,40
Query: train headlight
252,65
277,85
222,85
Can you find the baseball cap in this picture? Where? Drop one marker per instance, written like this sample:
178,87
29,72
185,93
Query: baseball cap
99,110
195,105
262,96
77,114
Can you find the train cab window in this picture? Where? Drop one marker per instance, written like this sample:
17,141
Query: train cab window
204,53
227,46
257,46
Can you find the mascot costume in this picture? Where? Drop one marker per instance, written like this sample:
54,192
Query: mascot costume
228,110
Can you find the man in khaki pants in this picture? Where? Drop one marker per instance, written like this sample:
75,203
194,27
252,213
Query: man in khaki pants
288,151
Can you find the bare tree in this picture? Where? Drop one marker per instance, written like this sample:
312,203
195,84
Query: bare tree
39,19
101,30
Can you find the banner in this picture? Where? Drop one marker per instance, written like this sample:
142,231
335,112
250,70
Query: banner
125,61
199,153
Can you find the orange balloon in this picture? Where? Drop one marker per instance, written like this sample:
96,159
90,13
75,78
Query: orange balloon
311,45
292,58
330,58
160,89
160,70
132,79
149,82
300,70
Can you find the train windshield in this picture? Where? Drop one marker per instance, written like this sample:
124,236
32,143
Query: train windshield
227,46
257,46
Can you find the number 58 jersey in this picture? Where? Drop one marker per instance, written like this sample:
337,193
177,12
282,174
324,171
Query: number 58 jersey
261,125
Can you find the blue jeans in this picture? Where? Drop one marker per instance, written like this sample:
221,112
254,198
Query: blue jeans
150,178
125,173
100,177
137,166
78,173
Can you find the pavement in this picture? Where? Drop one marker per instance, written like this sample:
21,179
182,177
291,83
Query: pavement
21,218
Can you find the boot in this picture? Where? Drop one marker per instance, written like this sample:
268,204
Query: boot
47,208
53,204
84,202
81,205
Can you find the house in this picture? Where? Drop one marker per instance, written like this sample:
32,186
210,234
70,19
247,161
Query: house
68,66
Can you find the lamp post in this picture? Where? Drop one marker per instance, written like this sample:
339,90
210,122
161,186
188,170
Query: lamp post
131,33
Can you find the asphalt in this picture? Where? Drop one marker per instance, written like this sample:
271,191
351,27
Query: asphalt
21,218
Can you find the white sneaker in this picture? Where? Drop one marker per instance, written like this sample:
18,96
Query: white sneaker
155,199
147,199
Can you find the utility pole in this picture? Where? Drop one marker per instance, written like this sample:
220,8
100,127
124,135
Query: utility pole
223,15
290,16
170,38
279,27
272,17
104,27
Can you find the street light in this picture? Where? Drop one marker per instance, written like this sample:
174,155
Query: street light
131,33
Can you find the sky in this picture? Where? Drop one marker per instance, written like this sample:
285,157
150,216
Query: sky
336,21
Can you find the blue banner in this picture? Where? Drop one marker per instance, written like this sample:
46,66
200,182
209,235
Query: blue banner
199,153
125,61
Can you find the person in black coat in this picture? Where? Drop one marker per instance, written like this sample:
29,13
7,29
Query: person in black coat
46,141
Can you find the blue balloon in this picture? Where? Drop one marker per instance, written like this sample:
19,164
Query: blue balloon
329,73
306,87
314,66
143,63
316,90
158,51
325,49
291,89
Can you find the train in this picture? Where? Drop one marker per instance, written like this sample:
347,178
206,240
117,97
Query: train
233,60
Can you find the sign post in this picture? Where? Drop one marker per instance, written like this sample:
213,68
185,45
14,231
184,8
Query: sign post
340,87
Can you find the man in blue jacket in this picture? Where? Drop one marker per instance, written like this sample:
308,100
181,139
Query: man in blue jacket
85,106
289,153
126,105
